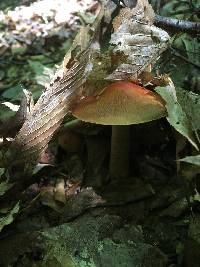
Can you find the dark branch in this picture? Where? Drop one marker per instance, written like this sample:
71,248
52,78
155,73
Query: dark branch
184,58
177,25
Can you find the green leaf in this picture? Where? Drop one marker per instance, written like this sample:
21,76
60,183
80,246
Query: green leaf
192,159
1,171
2,74
12,72
176,114
196,197
13,93
192,46
8,219
36,67
4,186
190,102
45,77
17,49
5,110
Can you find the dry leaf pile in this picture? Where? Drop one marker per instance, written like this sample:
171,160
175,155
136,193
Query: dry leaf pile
43,19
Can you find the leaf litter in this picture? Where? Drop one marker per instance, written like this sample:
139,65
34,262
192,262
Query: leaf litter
108,249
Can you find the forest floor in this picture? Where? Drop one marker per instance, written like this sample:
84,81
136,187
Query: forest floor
74,213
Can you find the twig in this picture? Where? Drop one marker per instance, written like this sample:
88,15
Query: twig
177,25
183,51
184,58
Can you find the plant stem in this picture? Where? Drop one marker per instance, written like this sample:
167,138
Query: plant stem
120,151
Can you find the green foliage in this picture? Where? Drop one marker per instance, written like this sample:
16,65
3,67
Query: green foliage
13,93
5,113
196,197
9,217
34,74
178,116
192,159
190,103
179,9
184,52
88,241
4,185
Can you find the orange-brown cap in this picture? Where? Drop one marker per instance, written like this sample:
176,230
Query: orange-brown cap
121,103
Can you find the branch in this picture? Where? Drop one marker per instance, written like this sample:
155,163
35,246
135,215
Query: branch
177,25
184,58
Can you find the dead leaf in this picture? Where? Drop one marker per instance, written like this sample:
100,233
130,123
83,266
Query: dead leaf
59,192
79,203
137,38
54,103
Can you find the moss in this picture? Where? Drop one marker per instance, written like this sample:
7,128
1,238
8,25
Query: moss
86,242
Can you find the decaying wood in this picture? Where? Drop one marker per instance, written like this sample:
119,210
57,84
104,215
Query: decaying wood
177,25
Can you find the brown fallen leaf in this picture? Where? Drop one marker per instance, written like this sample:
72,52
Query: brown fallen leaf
51,108
137,38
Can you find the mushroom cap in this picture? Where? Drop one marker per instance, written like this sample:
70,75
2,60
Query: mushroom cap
121,103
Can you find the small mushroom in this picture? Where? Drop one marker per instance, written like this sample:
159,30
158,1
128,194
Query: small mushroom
120,103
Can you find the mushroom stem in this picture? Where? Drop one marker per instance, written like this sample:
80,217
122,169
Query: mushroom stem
120,151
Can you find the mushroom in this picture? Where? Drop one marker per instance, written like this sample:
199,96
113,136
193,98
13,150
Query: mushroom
120,103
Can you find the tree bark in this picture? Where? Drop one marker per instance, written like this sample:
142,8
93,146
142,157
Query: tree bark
177,25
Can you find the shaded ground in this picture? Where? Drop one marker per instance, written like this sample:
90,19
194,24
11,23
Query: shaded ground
74,214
